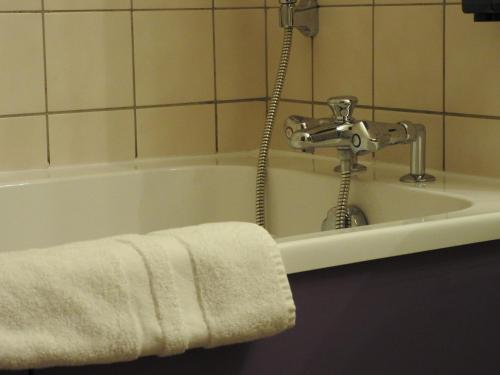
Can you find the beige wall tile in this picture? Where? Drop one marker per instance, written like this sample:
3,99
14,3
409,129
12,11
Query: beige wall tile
275,3
472,64
20,4
343,54
173,56
298,84
345,2
86,4
359,113
240,53
183,130
89,65
400,154
286,109
21,65
91,137
409,57
325,111
89,61
409,2
464,154
240,125
238,3
167,4
23,143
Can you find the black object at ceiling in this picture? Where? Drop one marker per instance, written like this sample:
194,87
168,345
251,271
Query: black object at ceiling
483,10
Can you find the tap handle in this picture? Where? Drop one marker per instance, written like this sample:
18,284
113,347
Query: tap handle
343,108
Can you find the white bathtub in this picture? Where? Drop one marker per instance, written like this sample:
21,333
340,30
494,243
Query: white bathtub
44,208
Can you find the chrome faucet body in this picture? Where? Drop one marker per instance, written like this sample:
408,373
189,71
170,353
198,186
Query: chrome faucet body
301,14
344,132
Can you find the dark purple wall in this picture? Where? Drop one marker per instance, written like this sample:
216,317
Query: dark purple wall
429,313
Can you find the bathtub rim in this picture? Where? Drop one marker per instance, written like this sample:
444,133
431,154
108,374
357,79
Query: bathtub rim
477,223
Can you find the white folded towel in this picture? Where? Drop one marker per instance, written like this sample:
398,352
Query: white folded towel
124,297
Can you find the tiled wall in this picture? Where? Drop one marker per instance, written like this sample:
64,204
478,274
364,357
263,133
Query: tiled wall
85,81
421,61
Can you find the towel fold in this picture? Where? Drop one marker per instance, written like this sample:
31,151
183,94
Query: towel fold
129,296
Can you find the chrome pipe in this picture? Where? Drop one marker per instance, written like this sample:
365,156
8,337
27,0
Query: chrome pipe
417,137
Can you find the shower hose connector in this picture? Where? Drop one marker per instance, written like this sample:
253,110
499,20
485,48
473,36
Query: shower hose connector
302,15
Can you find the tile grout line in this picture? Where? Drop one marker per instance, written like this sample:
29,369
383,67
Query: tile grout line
373,57
312,77
471,115
266,53
313,95
266,62
149,106
371,4
209,8
244,100
125,9
216,107
444,86
46,90
380,5
409,110
373,69
134,87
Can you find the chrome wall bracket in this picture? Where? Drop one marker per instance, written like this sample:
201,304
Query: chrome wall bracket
301,14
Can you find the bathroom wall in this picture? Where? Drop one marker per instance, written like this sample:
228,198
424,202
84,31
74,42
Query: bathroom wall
421,61
85,81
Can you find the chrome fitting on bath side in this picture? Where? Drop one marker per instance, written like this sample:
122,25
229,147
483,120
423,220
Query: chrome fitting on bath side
417,139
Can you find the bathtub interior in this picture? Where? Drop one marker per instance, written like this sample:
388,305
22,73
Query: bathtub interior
299,201
48,213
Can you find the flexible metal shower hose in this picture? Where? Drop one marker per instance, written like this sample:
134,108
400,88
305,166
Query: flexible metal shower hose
342,220
262,163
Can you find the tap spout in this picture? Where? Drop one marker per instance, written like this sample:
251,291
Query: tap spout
417,139
306,133
344,132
